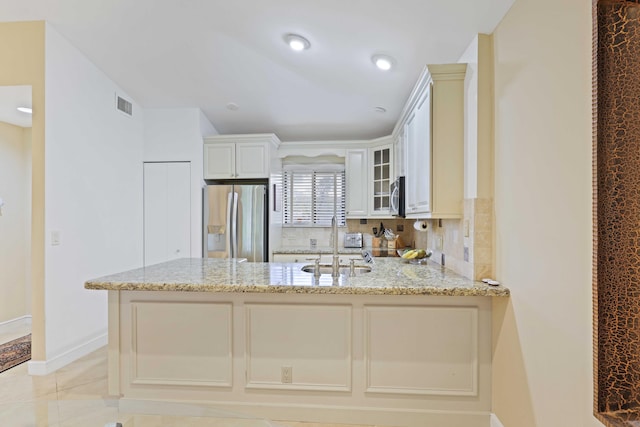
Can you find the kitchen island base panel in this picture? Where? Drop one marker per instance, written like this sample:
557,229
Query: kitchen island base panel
376,359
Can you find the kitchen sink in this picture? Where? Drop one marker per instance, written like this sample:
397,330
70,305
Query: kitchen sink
344,269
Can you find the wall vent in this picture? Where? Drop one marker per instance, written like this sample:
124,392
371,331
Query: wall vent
124,106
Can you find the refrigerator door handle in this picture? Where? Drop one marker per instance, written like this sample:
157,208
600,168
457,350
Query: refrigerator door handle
228,232
234,227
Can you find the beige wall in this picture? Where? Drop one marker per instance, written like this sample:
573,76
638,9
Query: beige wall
14,222
22,63
542,366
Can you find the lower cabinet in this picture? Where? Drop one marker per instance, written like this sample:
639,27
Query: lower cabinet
291,257
348,359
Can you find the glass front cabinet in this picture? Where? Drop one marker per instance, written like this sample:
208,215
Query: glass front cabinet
381,158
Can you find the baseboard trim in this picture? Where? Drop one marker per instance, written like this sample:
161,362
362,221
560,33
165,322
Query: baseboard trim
308,413
494,421
11,325
36,367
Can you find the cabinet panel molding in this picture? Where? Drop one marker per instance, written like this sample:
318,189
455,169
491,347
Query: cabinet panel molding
407,351
163,351
313,340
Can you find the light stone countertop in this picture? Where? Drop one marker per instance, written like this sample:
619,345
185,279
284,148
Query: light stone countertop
390,276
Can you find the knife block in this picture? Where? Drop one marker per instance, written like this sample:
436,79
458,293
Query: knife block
376,245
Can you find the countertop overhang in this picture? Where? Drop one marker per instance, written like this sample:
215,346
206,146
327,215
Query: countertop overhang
389,276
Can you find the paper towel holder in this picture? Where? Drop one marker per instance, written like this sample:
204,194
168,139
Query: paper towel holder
420,225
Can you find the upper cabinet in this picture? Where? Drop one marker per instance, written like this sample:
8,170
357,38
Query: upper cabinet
430,138
238,156
369,173
356,165
381,156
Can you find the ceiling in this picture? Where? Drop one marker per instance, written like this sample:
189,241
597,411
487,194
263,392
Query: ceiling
209,53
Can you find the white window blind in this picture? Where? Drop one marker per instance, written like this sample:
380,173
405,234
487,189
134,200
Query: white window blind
311,198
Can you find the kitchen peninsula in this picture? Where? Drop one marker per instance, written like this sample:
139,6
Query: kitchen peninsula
401,345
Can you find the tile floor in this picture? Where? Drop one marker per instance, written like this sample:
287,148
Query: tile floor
76,396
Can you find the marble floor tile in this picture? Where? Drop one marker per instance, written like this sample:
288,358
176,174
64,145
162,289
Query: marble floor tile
37,414
86,370
25,388
77,396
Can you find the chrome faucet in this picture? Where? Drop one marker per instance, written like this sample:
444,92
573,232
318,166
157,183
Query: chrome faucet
335,263
316,265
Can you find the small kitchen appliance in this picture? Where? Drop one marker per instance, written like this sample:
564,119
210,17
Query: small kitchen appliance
396,188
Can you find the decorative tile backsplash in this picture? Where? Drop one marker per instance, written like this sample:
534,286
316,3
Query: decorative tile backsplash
467,244
301,236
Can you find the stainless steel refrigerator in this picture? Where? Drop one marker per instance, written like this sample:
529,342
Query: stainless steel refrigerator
236,220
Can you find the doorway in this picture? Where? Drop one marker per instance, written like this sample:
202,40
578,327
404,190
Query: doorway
15,212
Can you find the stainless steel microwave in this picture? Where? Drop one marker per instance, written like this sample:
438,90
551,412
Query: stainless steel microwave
397,197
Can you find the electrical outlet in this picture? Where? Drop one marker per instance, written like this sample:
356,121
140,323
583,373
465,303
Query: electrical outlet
439,243
287,374
466,228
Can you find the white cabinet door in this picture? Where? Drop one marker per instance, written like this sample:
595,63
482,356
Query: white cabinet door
356,166
411,173
167,211
252,160
219,160
421,155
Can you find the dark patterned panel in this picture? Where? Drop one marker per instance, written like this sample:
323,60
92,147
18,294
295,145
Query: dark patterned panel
617,287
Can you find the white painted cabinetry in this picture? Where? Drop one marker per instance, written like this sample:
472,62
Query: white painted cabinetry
291,257
346,359
357,182
431,130
167,211
418,168
381,175
238,156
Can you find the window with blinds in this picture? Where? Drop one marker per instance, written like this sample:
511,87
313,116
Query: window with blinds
311,198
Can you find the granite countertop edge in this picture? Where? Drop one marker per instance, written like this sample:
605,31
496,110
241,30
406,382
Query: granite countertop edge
276,289
390,277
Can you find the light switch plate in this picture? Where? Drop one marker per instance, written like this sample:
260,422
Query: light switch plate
55,238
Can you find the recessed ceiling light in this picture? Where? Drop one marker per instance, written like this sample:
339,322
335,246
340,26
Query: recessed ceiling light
383,62
380,110
232,106
297,42
25,110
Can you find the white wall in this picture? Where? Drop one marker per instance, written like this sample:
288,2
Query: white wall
542,365
176,135
93,195
15,221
